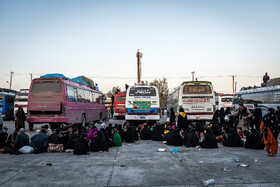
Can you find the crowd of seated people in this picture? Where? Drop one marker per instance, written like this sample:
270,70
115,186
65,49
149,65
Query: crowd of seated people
225,128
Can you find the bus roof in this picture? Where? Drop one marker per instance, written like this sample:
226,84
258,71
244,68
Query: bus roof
7,90
69,81
7,93
262,89
197,82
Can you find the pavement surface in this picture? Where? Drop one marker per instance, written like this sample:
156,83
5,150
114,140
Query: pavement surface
141,164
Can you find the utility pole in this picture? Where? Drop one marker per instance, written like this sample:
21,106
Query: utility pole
31,76
233,76
11,79
193,75
138,55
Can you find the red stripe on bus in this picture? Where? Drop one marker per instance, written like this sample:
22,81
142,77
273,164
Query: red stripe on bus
21,105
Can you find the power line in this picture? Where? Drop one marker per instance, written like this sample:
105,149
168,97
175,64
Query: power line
146,77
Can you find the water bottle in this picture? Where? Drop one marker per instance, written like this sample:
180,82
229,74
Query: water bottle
209,182
174,150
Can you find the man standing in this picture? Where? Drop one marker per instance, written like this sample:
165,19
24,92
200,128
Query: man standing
22,139
243,113
265,78
96,87
257,117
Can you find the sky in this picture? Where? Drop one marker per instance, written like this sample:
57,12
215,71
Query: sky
99,39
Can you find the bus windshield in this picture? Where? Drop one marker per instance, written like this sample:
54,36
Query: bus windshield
226,100
42,87
121,98
142,91
197,89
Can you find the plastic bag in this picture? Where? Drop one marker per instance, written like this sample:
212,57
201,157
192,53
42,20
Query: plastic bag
26,149
226,119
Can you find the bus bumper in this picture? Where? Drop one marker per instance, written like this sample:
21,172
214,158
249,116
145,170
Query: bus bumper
119,114
204,117
47,119
142,117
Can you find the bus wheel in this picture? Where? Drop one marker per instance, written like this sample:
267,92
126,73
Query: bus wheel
100,118
83,120
31,126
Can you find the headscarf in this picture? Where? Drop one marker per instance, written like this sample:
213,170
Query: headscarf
142,126
209,131
192,131
270,121
227,111
92,133
182,112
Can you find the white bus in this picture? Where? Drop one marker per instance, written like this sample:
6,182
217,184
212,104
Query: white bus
142,104
224,101
197,98
265,97
21,100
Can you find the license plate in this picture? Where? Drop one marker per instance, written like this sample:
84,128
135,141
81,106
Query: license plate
197,117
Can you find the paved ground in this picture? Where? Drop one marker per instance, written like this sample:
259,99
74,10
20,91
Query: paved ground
140,164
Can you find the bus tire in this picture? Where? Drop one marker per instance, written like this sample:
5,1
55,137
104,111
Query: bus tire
100,117
83,120
31,125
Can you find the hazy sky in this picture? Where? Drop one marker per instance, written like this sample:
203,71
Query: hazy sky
99,39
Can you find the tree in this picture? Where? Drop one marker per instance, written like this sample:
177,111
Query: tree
162,86
114,90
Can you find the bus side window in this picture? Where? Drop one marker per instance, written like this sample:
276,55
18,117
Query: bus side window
88,97
75,94
79,95
98,98
93,97
71,93
84,96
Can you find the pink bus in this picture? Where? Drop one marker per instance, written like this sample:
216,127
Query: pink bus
60,101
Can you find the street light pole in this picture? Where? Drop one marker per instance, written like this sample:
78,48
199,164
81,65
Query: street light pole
233,84
11,79
138,55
